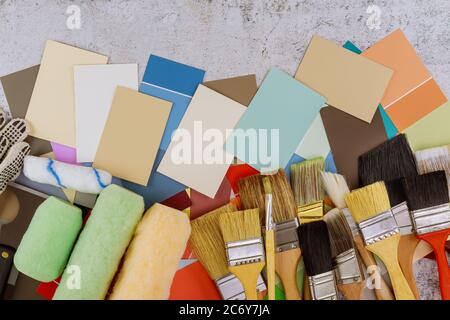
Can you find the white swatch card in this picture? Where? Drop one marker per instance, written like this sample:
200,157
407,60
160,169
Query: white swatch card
94,91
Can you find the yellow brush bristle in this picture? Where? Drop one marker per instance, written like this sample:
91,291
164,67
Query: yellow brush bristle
306,181
252,195
207,242
267,185
240,225
367,202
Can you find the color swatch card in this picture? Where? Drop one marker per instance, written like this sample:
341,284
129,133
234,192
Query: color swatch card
431,131
350,137
18,87
51,112
94,91
174,82
276,121
348,81
412,92
241,89
315,142
132,134
196,156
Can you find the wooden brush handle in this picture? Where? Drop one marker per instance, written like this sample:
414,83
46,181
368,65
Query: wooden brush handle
286,263
248,275
406,248
270,263
306,289
383,292
437,240
352,291
387,251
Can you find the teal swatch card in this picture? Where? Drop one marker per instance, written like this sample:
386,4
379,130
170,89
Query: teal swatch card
275,122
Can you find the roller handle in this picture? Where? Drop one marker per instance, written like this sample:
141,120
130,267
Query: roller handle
437,240
286,263
6,262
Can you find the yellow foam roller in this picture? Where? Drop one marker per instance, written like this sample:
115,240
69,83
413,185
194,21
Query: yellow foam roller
153,255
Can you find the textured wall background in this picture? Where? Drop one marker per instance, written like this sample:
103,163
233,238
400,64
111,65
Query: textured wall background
226,38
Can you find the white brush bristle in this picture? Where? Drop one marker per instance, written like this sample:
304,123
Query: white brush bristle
336,188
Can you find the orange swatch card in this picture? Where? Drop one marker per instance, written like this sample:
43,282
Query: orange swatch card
412,92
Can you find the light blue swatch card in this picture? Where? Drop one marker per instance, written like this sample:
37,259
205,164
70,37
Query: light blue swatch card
174,82
391,130
275,122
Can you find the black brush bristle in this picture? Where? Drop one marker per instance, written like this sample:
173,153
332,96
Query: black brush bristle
426,190
395,191
315,245
393,159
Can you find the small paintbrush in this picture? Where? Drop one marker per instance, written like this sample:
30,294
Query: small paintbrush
270,241
346,265
337,188
284,210
207,243
315,244
371,210
308,190
389,162
428,199
241,231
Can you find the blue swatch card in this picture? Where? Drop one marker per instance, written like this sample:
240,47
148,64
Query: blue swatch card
174,82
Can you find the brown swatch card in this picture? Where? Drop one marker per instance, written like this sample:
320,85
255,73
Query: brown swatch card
241,89
18,87
349,137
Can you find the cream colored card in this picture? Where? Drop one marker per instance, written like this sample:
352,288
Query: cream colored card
51,112
349,82
132,135
196,156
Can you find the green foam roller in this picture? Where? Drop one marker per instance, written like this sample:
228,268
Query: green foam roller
101,245
49,239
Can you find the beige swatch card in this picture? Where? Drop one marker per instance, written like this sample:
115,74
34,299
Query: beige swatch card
349,82
51,112
196,155
132,135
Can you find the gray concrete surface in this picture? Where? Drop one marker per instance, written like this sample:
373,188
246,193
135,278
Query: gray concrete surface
226,38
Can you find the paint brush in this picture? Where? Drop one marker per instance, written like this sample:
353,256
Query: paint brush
284,210
207,243
308,190
241,231
371,210
270,240
389,162
428,199
336,187
345,261
315,244
434,159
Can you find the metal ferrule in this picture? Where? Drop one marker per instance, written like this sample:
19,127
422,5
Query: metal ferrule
351,223
231,288
323,286
245,251
431,219
347,268
403,218
269,221
286,236
378,228
310,212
